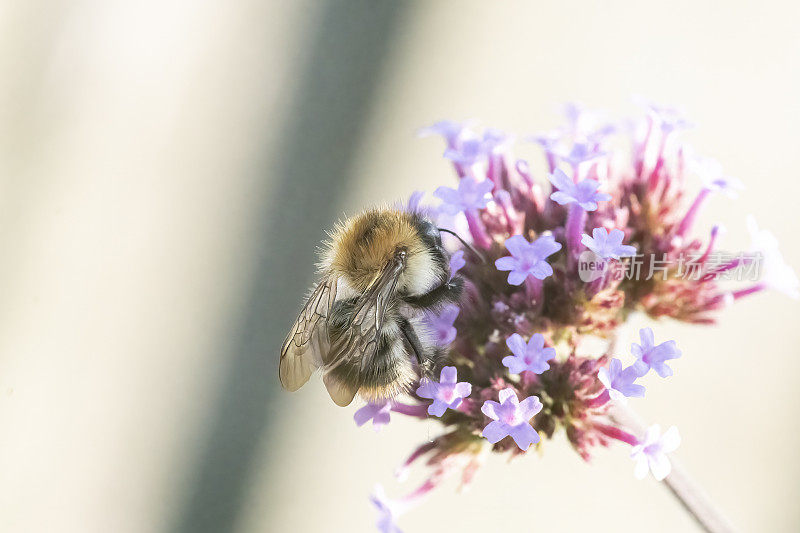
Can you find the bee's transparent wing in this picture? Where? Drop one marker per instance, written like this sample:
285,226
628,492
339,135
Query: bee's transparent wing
357,345
307,345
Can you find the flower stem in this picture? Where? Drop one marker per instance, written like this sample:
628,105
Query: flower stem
419,411
691,214
696,501
476,229
576,220
749,290
693,499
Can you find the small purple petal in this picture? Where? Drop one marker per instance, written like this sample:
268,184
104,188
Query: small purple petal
495,432
524,435
442,324
463,389
508,395
437,408
414,201
516,344
448,375
529,407
457,262
377,412
489,408
451,130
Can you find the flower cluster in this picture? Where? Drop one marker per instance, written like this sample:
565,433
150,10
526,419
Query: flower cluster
515,339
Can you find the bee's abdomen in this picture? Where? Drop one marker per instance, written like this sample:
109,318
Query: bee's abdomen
387,372
391,371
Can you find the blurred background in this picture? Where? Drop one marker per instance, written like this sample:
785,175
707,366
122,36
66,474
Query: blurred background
168,168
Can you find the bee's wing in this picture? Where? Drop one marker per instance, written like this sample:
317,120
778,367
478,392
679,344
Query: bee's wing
307,344
359,341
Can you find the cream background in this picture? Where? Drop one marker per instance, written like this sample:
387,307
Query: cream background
128,209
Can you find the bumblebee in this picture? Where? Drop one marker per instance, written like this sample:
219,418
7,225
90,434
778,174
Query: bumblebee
364,324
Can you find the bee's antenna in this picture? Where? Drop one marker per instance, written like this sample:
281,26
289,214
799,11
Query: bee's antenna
468,245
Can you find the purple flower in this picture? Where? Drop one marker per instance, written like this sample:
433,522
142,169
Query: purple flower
586,123
511,418
457,262
619,382
447,394
549,141
469,151
531,357
668,118
387,511
651,453
473,149
471,195
649,355
761,240
584,193
608,245
378,412
581,152
414,201
451,130
710,172
775,273
442,324
495,140
528,258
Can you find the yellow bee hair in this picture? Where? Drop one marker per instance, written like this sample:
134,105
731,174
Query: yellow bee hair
362,245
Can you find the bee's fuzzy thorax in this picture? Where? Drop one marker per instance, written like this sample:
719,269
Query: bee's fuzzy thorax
361,246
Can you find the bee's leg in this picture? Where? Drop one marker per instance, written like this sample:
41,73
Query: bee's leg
449,292
414,345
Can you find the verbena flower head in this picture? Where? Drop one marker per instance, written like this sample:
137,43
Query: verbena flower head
528,357
651,453
651,356
608,245
446,394
510,418
528,258
515,340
